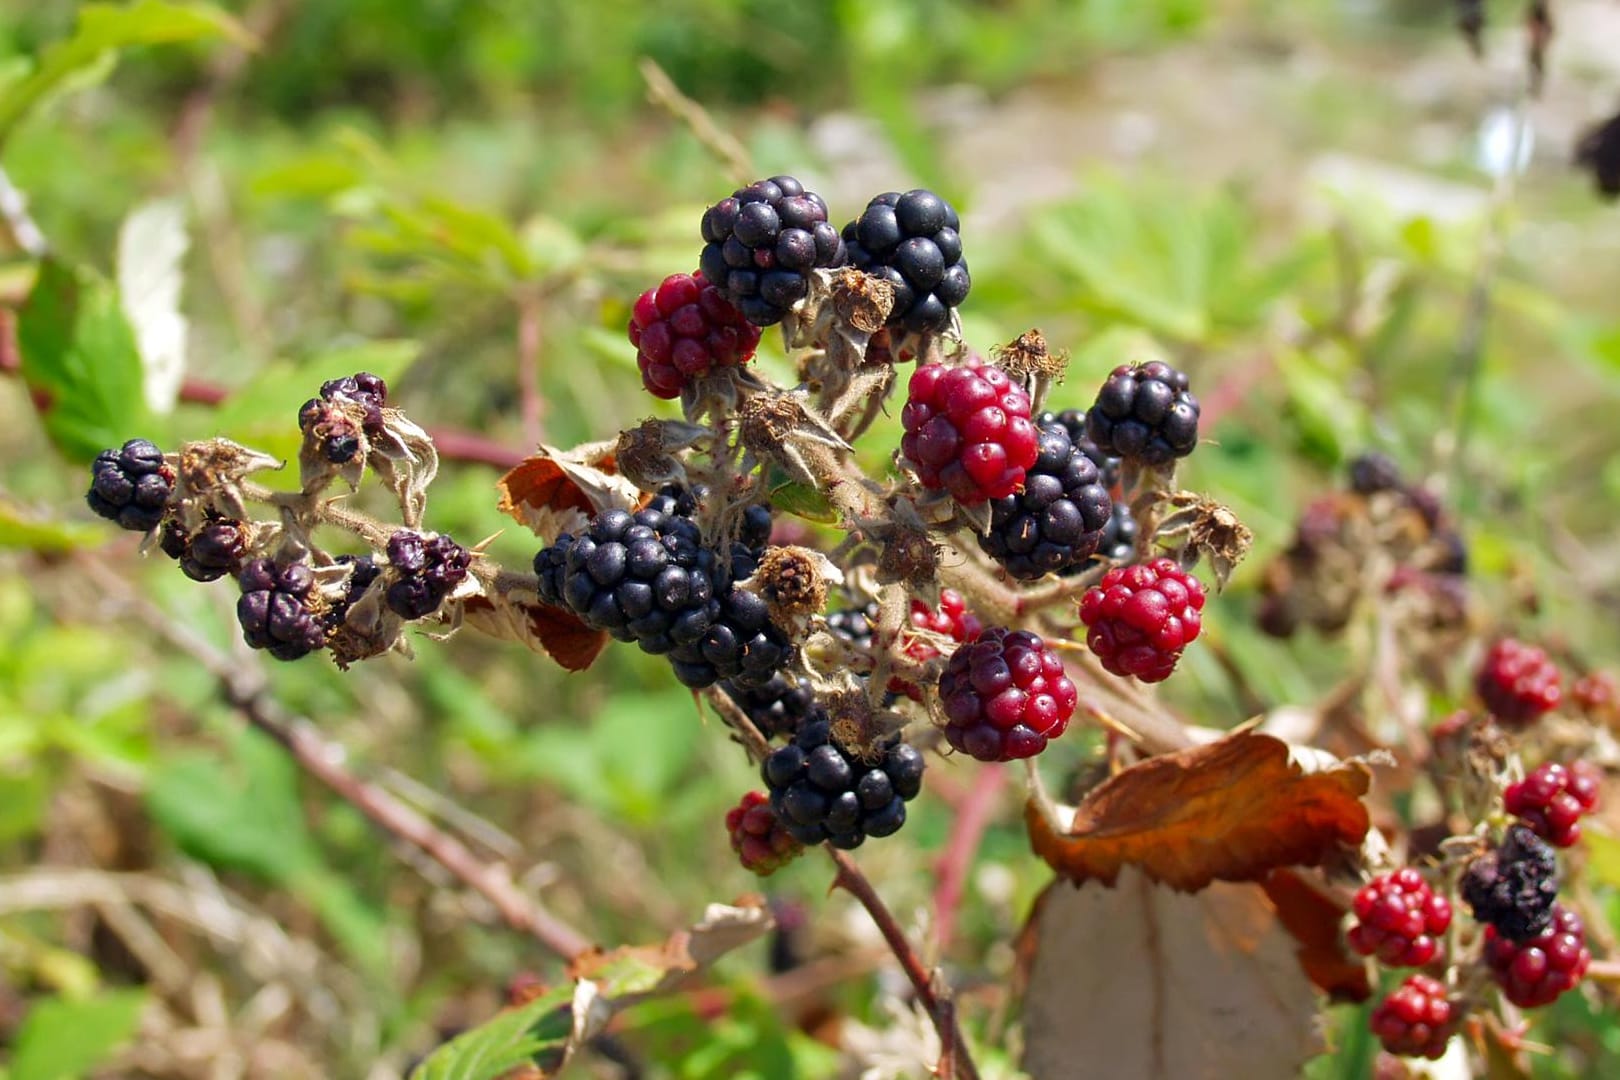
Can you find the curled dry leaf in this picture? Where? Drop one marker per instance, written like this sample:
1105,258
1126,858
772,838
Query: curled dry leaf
556,632
633,972
1233,810
1142,981
557,491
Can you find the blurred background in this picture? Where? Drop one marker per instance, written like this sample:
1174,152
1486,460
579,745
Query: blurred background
1306,203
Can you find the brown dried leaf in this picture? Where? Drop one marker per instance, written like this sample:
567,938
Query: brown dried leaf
1141,981
1312,917
556,491
554,631
1232,810
630,973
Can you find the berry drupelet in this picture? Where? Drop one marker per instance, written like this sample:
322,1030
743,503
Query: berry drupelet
1518,683
761,244
426,570
762,843
131,485
912,241
274,609
684,329
1535,971
824,791
1140,617
1005,696
1417,1019
1399,919
1513,888
1552,800
968,430
1058,520
1145,413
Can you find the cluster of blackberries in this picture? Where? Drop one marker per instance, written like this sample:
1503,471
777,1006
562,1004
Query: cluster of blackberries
761,244
1140,617
912,241
968,430
684,329
213,551
822,790
1058,520
1145,413
1005,696
131,485
275,609
338,436
649,577
425,570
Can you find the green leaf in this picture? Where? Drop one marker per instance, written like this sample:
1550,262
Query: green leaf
804,501
79,353
62,1039
52,537
536,1033
103,29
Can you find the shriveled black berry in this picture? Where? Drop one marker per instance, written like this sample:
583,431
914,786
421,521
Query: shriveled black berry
1373,472
426,569
778,707
761,243
213,551
131,485
912,241
1057,521
823,791
1145,413
274,609
362,388
1513,887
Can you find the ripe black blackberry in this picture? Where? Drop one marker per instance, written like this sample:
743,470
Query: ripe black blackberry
1118,543
1145,413
213,551
761,244
274,609
131,485
854,626
822,791
426,570
1058,519
778,707
912,241
1513,888
1074,422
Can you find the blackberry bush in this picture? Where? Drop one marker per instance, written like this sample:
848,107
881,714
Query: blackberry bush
761,244
1058,521
131,485
824,791
967,430
913,242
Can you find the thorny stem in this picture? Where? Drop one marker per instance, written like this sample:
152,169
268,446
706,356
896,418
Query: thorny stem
247,691
851,880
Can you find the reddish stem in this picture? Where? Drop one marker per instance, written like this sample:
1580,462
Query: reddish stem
967,830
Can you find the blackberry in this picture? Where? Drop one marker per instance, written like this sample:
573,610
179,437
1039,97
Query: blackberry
1513,887
762,843
1074,422
322,418
683,329
1417,1020
1145,413
362,388
1553,799
212,552
365,571
1005,696
426,570
1519,683
1118,543
857,626
1140,617
761,244
1597,695
274,609
1399,919
778,707
967,430
1373,472
131,485
1539,969
823,791
913,242
1058,519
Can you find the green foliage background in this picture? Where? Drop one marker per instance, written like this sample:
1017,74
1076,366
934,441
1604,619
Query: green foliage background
384,183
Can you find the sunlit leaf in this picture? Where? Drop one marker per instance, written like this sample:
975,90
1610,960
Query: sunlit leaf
63,1039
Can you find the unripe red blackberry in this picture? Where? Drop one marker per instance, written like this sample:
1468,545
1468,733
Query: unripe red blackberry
1005,696
1140,617
1514,887
761,244
1399,919
1417,1019
823,790
1145,413
1597,695
1057,521
1552,800
684,329
131,485
968,430
1535,971
761,841
274,609
426,569
1519,683
912,241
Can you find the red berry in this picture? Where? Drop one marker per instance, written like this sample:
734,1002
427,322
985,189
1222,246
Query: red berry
1005,696
1597,695
758,836
968,430
1553,799
1517,682
684,329
951,618
1536,971
1399,919
1141,616
1416,1020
